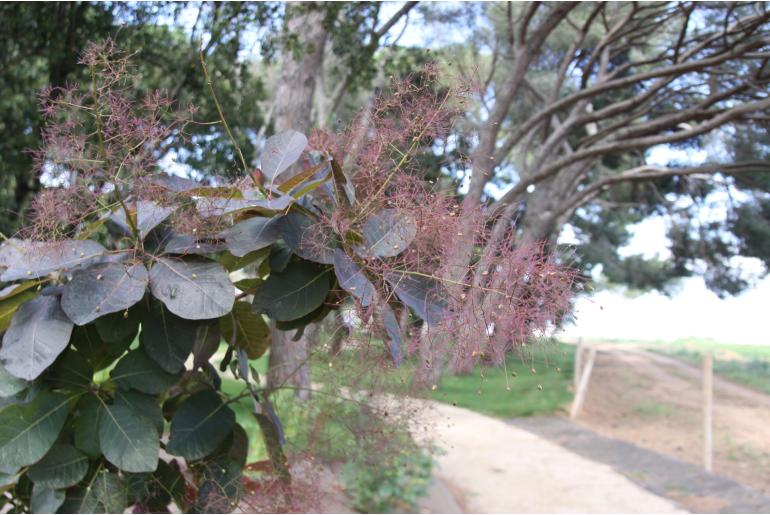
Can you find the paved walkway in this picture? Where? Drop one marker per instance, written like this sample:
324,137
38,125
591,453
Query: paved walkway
693,487
501,468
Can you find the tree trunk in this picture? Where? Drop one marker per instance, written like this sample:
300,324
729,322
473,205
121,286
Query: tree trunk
288,363
294,93
293,109
538,223
339,331
543,215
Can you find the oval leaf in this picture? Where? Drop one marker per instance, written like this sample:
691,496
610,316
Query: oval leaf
89,412
424,295
63,466
117,327
387,233
128,440
45,500
251,332
194,289
32,259
393,330
250,235
281,151
297,291
199,426
28,431
38,333
167,338
72,371
103,289
146,216
352,279
103,493
307,239
146,405
100,352
186,244
136,370
209,207
9,384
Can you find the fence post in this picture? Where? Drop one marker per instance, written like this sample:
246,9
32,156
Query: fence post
578,363
708,409
580,395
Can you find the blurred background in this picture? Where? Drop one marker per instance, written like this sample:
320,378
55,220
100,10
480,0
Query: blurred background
632,138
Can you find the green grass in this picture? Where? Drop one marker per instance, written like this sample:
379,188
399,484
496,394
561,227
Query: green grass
652,409
514,390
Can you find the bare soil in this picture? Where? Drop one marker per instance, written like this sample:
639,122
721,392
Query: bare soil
656,402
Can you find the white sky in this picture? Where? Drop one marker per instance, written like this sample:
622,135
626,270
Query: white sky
693,311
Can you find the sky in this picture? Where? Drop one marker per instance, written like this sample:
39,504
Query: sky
693,311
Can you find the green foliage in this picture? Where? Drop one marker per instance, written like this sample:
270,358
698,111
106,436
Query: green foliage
95,363
28,431
515,390
395,485
63,466
294,293
127,439
246,330
200,424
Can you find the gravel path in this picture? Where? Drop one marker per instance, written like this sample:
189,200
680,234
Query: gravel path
693,487
501,468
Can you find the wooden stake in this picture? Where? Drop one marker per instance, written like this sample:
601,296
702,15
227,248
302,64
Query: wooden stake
578,363
708,410
580,395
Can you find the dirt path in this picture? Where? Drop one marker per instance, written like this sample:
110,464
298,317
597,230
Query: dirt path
690,485
504,469
654,401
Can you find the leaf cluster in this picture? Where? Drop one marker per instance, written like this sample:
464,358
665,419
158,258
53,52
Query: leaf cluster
108,347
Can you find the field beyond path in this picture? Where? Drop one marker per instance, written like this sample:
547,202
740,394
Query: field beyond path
655,401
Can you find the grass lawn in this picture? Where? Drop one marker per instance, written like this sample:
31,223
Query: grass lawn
515,390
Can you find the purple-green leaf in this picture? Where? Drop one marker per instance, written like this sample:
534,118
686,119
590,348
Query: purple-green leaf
103,289
38,333
194,289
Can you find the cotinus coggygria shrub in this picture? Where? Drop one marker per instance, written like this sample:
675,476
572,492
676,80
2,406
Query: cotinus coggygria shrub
116,299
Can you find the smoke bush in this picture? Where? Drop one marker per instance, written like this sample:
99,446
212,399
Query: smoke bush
126,280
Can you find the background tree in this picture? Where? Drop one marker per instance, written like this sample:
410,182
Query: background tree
42,44
574,96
